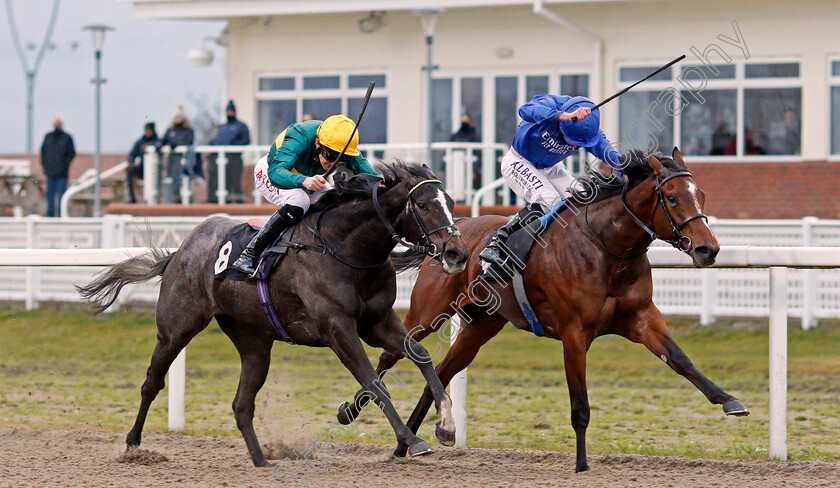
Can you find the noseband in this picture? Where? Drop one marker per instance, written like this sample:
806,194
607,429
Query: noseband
427,247
677,239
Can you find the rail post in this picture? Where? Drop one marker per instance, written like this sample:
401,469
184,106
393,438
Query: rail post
809,277
458,391
177,387
221,177
778,363
33,274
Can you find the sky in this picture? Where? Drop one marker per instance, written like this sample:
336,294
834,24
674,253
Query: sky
144,62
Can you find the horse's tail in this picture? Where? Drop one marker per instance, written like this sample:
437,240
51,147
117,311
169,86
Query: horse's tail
103,290
406,259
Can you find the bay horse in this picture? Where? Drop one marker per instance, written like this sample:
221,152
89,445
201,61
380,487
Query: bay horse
329,299
591,278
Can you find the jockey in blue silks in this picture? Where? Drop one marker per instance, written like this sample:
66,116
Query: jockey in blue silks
533,166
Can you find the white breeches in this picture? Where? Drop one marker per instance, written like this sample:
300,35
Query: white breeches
299,197
544,186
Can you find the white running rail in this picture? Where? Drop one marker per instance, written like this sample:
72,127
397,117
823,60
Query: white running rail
775,258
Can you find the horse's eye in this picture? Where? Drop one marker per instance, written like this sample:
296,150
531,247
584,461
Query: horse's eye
421,206
672,200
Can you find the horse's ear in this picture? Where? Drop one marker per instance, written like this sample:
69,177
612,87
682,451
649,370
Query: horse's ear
655,164
676,155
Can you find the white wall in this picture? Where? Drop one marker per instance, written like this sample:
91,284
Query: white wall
469,38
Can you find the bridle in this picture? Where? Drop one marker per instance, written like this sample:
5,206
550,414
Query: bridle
678,239
427,247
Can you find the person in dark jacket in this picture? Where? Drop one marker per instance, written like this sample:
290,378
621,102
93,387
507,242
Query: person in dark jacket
179,134
57,152
136,156
234,132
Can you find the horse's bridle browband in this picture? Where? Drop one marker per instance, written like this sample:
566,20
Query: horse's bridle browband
678,240
428,247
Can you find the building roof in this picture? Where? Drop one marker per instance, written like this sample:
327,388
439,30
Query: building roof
222,9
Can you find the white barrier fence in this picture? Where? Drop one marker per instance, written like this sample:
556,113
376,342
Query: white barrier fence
813,293
776,258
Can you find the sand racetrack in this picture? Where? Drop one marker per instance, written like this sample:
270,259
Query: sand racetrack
39,458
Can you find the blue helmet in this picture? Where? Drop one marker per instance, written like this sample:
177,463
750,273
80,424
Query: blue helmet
583,132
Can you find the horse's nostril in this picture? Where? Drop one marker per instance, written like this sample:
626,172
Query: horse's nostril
457,255
706,251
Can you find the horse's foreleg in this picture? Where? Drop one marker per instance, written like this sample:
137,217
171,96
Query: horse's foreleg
348,411
344,340
255,354
574,358
392,336
650,329
470,339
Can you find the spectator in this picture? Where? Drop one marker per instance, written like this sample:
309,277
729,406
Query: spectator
232,133
136,156
307,117
791,142
467,132
720,139
57,152
179,134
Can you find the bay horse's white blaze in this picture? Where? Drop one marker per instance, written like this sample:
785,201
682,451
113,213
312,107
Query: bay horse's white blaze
695,195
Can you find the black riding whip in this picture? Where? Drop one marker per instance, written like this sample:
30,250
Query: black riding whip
574,119
358,120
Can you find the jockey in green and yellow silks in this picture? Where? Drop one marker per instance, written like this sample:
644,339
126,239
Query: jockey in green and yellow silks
294,164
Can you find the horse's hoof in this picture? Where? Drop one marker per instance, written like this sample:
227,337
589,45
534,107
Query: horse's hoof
131,441
343,414
420,449
445,437
581,468
735,408
400,451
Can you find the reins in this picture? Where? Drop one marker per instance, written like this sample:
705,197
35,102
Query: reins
677,239
427,247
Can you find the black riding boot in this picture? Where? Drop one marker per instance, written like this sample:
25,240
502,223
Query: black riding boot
283,218
494,253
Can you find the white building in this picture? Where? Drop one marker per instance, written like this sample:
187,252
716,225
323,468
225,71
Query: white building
763,68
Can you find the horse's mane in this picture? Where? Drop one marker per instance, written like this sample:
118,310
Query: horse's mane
636,169
360,186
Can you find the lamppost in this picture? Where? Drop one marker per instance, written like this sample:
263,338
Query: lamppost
428,19
98,33
32,72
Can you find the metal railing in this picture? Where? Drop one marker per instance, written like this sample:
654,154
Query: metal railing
463,166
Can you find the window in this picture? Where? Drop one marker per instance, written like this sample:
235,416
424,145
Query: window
746,108
285,99
835,106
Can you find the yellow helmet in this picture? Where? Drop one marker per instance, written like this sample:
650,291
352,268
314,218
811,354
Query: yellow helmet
334,132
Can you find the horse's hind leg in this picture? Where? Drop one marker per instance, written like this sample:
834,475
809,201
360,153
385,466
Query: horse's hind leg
255,352
175,331
650,329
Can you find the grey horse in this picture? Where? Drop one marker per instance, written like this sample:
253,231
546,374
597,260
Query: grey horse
323,300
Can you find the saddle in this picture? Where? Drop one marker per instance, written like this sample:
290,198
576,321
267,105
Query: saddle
518,247
235,242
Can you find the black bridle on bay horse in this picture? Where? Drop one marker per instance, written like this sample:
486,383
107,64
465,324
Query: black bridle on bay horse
677,239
